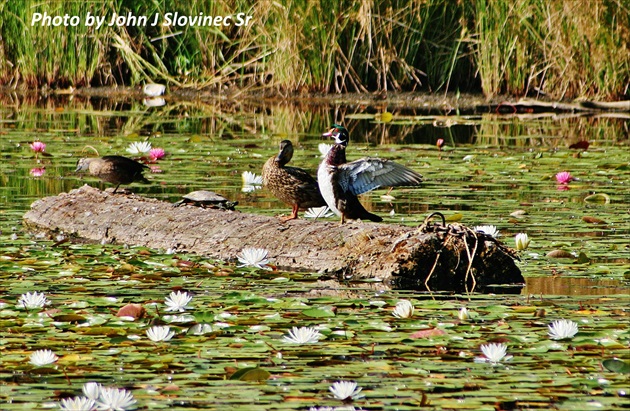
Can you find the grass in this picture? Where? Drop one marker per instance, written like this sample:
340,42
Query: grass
561,49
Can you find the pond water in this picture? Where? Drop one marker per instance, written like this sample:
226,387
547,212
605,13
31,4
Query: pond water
492,170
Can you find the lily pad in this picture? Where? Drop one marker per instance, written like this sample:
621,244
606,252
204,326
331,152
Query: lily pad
251,374
560,254
319,312
597,198
616,365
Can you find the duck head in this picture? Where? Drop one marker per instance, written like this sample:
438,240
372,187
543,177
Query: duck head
83,164
286,152
339,133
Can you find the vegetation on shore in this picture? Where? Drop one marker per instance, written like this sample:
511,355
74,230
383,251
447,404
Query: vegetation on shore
561,49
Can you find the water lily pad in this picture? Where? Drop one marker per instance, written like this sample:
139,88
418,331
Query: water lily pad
560,254
319,312
615,365
583,258
453,218
598,198
131,310
251,374
70,318
593,220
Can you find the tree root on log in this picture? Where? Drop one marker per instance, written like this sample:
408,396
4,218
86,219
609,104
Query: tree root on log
435,257
459,255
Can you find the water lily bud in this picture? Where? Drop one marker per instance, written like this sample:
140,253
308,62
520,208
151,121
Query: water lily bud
522,241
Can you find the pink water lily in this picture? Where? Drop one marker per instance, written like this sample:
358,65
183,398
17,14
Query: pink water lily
564,177
37,171
38,146
156,154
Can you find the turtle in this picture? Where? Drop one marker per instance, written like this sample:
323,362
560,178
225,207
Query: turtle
206,199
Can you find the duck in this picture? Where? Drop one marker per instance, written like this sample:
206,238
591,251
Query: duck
291,185
340,182
113,169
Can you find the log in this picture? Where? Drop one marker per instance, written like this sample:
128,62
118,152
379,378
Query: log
434,257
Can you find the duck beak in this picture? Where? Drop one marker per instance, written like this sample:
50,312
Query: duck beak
329,133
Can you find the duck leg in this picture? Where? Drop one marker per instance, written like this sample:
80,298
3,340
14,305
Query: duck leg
294,213
114,192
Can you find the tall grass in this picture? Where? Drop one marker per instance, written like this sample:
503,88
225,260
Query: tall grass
562,49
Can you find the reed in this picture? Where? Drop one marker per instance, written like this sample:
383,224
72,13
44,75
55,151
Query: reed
560,49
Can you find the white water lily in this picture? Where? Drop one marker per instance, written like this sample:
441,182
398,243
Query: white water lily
154,102
494,352
251,178
153,89
562,329
77,404
404,309
251,181
463,314
324,148
177,301
139,147
32,300
488,229
115,399
92,390
344,390
42,357
200,329
318,212
522,241
159,333
254,257
302,335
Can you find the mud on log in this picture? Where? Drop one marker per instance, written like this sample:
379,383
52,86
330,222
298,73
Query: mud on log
435,256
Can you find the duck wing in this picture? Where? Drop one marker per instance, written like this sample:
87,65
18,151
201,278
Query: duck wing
367,174
300,175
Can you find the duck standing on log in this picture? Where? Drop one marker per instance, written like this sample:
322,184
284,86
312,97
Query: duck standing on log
291,185
341,182
113,169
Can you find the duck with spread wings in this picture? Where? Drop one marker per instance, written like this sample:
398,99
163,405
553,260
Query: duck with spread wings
341,182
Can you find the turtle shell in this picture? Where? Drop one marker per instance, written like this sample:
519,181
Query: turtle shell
205,196
206,199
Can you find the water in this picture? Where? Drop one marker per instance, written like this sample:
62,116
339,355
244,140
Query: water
490,167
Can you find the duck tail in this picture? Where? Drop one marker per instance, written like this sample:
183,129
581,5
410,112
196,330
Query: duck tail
371,217
363,214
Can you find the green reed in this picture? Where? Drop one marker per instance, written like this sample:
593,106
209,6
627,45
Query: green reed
560,49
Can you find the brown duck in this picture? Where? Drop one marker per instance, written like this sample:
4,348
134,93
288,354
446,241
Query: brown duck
291,185
113,169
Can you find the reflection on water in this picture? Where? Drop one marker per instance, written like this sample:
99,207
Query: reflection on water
558,285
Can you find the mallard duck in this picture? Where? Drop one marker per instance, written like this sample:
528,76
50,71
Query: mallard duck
291,185
113,169
341,182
